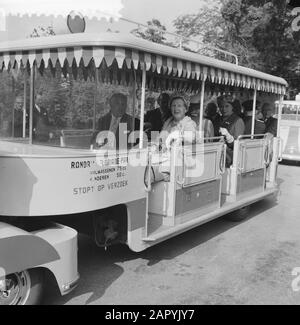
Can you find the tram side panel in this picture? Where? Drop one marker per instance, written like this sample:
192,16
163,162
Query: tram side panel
59,185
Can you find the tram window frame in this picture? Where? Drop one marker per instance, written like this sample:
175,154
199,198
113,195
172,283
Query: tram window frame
102,80
15,87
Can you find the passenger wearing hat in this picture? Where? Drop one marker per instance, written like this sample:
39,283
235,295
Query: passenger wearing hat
194,113
212,113
231,128
232,125
260,127
179,122
271,122
155,119
237,108
176,128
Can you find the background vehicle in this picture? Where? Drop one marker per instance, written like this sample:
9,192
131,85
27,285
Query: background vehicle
50,172
290,130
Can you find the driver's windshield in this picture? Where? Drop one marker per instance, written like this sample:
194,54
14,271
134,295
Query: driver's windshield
290,111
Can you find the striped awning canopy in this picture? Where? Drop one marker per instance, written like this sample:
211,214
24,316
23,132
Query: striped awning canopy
132,53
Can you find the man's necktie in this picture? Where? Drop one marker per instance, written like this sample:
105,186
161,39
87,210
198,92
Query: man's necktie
114,125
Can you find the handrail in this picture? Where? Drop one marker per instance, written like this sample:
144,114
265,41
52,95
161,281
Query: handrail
223,157
215,138
267,155
251,137
280,156
148,186
181,38
220,50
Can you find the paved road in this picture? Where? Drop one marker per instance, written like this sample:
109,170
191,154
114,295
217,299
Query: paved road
218,263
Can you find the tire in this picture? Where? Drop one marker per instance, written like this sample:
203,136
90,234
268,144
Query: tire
23,288
238,215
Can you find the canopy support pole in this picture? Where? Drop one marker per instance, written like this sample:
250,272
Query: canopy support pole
201,109
254,113
279,115
13,108
134,100
32,78
95,99
25,104
143,98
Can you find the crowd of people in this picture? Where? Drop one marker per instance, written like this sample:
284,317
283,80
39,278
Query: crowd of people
176,115
179,116
222,117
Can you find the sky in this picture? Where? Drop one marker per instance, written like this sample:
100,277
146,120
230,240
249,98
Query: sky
166,11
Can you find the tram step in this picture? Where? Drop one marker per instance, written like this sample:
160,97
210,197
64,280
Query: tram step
168,232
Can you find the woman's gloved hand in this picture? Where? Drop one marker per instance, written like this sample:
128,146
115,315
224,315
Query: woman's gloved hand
229,138
173,137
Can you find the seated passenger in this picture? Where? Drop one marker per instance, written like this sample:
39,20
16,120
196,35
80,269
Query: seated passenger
156,118
42,130
212,114
18,117
194,113
177,127
268,111
260,126
231,128
179,124
271,123
237,108
115,121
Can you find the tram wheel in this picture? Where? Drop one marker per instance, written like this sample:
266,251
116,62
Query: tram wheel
238,215
23,288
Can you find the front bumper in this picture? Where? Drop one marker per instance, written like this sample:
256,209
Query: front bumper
65,241
67,288
291,157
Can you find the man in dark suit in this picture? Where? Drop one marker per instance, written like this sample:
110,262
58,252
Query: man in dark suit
118,123
271,122
259,126
155,119
18,117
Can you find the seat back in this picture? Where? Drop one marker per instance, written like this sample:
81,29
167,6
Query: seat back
76,138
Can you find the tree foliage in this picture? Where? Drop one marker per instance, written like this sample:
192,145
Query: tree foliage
41,31
155,32
258,31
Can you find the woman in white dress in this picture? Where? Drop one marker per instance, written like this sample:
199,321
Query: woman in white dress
178,127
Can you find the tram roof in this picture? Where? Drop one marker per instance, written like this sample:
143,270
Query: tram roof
132,51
